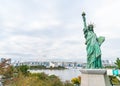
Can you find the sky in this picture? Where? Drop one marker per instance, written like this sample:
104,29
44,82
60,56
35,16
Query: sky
53,29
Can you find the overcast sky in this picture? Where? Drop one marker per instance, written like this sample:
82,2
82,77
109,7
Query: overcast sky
52,29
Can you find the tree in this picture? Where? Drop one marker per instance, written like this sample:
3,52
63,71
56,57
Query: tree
118,63
24,69
76,81
6,69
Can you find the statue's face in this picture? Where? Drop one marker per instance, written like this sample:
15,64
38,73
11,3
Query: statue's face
90,28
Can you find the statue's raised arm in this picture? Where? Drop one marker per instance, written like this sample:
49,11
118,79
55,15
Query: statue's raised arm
85,30
84,20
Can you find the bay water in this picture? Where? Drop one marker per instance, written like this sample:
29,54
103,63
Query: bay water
66,74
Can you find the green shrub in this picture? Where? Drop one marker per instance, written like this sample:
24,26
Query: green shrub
23,69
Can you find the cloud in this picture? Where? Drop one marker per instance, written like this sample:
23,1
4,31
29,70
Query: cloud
107,19
37,29
43,24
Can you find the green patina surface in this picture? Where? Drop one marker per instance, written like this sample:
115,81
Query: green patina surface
93,44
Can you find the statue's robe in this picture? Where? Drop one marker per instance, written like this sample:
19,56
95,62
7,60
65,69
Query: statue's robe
93,49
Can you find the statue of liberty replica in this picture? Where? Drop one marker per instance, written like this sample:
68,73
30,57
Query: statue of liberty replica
93,75
93,44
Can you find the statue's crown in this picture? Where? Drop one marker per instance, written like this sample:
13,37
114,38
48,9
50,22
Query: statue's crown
91,25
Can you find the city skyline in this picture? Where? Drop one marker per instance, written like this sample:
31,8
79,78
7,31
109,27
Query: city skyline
53,29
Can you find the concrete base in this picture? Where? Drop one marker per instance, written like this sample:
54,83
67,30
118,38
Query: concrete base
94,77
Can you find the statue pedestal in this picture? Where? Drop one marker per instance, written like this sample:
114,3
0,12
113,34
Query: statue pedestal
94,77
